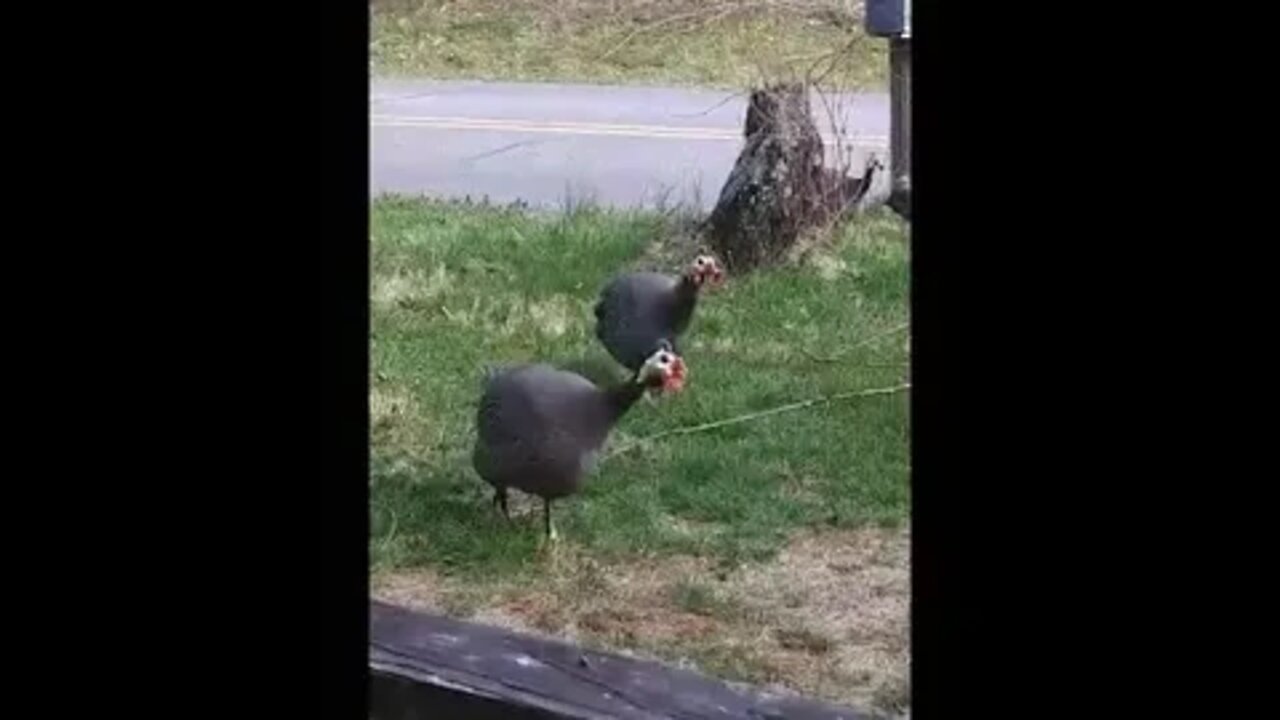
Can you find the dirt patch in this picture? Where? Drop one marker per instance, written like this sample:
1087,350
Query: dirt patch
828,617
389,404
847,594
417,590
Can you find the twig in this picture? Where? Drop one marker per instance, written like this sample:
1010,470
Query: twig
833,56
816,58
826,399
876,336
719,16
713,107
842,164
661,23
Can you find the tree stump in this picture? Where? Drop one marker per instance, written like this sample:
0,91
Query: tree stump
778,187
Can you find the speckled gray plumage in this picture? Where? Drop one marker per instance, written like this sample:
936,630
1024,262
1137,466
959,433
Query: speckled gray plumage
637,311
539,428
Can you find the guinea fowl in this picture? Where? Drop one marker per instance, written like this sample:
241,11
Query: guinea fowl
539,429
638,311
863,184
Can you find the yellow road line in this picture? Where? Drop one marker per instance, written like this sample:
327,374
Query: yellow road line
582,128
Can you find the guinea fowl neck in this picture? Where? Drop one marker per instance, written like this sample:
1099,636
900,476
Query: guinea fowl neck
687,289
686,299
622,396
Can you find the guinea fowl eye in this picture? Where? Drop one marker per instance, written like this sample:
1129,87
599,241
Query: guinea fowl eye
664,358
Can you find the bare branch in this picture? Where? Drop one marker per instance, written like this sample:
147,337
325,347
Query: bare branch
727,99
832,58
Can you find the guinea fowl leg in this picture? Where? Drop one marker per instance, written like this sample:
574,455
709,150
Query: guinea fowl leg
500,502
546,517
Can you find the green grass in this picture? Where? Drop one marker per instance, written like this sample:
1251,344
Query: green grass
730,45
455,287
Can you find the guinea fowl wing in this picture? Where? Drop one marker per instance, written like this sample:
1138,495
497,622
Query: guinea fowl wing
534,426
634,312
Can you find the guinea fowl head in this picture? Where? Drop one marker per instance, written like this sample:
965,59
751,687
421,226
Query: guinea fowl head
705,267
664,371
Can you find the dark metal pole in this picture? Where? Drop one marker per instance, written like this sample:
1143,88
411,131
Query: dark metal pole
900,124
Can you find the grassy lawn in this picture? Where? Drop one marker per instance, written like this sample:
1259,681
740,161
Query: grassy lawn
686,547
715,44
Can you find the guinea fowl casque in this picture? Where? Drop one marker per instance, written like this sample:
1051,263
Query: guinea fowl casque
638,311
539,429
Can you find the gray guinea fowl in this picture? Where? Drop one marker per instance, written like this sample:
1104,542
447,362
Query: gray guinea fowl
540,428
637,311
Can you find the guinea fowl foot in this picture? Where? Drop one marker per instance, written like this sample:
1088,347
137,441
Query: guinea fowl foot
550,546
500,502
550,535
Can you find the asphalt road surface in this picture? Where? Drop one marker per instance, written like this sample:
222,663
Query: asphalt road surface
547,145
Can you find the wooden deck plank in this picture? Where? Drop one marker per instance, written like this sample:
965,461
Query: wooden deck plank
416,658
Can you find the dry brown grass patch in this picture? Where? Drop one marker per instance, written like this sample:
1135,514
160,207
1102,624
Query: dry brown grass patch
828,617
388,404
417,589
395,420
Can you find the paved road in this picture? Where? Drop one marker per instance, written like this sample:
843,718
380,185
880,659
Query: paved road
622,146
